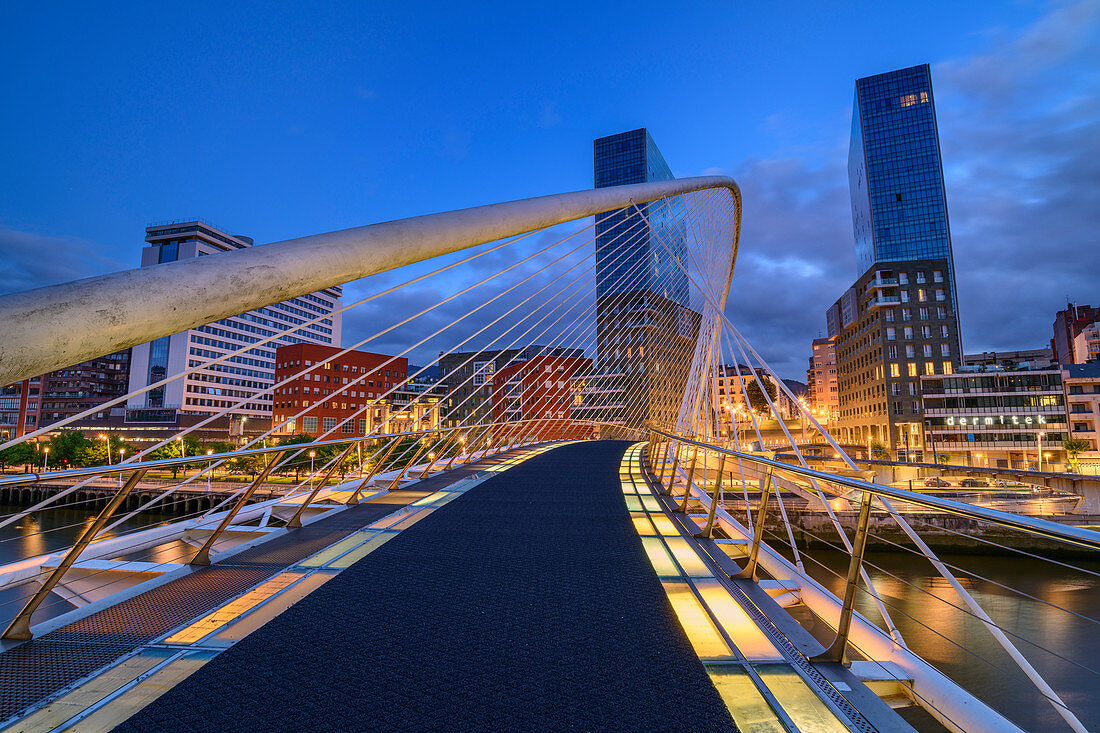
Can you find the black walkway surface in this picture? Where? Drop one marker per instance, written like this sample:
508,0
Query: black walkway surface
527,603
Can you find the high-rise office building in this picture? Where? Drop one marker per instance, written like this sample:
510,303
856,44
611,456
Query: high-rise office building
821,378
639,288
213,388
899,320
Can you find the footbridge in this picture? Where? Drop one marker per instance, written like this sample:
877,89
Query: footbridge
575,541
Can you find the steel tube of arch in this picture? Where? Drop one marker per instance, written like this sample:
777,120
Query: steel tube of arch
52,327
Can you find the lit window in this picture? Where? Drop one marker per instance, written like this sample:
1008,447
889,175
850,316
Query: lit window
947,367
894,371
908,100
912,369
929,367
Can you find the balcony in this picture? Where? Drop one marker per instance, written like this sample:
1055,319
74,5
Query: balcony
883,300
882,282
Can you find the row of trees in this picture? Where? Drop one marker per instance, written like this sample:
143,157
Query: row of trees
72,449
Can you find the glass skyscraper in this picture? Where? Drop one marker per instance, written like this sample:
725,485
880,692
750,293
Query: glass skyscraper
640,291
899,207
623,247
899,320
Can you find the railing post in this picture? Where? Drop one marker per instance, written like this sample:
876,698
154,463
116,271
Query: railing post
708,530
675,466
296,520
20,627
374,471
396,483
690,482
838,651
202,557
749,571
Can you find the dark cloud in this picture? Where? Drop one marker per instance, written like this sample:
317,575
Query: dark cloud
29,260
1020,135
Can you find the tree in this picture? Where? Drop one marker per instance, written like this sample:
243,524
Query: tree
1074,447
756,398
295,462
20,454
943,458
66,446
878,450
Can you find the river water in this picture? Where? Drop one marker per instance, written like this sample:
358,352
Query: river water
918,599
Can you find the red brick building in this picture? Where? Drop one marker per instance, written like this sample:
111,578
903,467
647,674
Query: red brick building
538,390
348,391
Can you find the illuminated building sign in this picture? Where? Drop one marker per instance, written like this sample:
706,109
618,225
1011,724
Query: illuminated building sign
999,420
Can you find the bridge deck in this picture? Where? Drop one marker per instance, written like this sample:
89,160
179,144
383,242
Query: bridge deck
528,602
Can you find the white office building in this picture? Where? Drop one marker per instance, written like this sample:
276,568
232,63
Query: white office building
213,388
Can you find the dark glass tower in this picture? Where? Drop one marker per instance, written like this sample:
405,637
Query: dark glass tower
640,291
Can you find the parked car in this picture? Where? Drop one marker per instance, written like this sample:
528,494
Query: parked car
934,481
973,482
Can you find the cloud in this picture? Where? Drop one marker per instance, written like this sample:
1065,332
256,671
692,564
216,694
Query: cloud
29,260
1020,135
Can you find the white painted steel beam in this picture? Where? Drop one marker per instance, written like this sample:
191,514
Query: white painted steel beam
53,327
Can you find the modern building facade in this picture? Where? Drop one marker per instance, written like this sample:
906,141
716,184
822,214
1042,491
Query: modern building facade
997,418
213,388
468,376
1068,325
899,320
46,399
1024,358
1081,383
538,392
354,394
821,379
637,380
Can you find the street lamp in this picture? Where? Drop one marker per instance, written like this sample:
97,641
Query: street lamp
108,444
312,455
209,467
121,455
45,458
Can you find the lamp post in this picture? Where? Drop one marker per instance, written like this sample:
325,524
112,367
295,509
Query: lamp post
312,455
1040,451
121,455
106,442
45,458
209,467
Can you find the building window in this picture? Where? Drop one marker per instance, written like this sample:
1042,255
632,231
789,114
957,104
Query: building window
945,350
947,367
924,314
929,367
348,426
889,315
904,296
940,294
909,352
894,371
891,333
928,350
897,408
892,351
908,332
937,276
922,295
903,278
906,314
362,426
912,388
912,369
926,332
895,388
941,312
916,407
309,424
328,423
920,276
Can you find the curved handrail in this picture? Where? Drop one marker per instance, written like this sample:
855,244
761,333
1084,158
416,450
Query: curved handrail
52,327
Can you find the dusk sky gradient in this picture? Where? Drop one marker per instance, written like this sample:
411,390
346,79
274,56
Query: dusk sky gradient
282,122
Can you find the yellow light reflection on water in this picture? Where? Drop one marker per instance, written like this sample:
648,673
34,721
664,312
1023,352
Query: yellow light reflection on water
747,637
704,637
748,707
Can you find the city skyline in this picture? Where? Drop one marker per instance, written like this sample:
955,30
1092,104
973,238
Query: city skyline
1009,135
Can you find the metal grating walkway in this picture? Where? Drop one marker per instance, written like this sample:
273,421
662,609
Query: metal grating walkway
527,603
40,668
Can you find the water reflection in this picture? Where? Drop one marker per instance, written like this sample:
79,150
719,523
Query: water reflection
927,612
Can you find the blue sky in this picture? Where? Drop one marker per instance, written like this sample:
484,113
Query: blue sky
284,121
